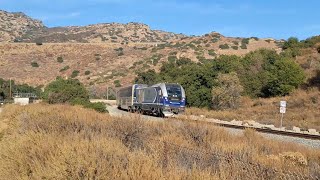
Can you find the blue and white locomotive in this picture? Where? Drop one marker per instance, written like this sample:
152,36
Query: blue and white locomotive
163,99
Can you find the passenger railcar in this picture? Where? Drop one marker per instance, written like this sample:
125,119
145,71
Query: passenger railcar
163,99
127,97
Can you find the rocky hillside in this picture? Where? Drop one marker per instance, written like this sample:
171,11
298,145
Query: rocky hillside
103,54
17,27
14,25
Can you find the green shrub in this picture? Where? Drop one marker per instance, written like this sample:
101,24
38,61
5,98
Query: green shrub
235,47
117,83
120,53
243,46
211,52
60,59
235,42
65,91
87,72
99,107
34,64
245,41
39,42
75,73
65,68
173,53
268,40
255,38
214,40
172,58
224,46
119,49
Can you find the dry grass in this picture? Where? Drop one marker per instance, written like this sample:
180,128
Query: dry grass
302,110
64,142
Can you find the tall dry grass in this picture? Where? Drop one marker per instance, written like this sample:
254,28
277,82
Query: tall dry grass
303,110
43,141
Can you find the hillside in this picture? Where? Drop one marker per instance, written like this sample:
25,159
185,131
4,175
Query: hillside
14,25
102,53
17,27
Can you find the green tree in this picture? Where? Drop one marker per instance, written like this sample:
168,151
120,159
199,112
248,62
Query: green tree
75,73
70,91
117,83
65,91
286,75
34,64
148,77
227,92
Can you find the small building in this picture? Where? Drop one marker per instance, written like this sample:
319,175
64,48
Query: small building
21,100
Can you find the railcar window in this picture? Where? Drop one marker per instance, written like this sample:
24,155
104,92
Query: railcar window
174,91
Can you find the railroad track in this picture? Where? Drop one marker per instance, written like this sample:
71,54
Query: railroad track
234,126
272,131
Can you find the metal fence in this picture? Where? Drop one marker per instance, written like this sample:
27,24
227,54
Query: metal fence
25,95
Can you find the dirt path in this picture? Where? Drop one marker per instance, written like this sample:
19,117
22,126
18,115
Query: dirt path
114,111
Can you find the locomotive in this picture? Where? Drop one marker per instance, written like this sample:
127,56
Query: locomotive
163,99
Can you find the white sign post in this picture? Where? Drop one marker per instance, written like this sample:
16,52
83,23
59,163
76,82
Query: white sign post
283,105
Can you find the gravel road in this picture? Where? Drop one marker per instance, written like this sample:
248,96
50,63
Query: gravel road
113,111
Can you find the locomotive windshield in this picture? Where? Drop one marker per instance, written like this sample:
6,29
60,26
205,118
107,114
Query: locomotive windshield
174,91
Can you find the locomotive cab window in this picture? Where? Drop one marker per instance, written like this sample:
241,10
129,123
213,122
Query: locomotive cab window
174,91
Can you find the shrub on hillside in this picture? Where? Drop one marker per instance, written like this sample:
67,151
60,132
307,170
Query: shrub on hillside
87,72
245,41
211,52
235,47
65,68
214,40
172,58
243,46
224,46
34,64
117,83
75,73
60,59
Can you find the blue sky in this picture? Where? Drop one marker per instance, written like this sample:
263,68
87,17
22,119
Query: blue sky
273,18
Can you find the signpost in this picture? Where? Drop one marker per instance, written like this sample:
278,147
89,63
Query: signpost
283,105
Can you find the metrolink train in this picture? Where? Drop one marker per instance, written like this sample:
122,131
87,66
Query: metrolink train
163,99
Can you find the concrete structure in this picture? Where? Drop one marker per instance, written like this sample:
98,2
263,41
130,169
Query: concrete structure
296,129
21,100
313,131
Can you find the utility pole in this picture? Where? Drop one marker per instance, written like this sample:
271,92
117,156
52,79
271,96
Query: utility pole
10,95
107,92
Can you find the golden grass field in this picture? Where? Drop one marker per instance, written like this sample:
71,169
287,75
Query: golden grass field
42,141
302,110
